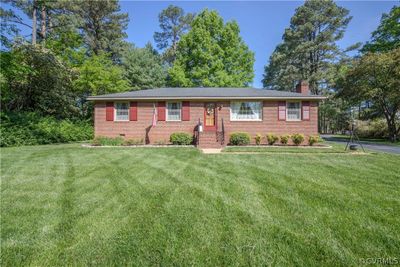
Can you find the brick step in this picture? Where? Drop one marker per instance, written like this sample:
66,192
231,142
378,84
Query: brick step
208,140
208,136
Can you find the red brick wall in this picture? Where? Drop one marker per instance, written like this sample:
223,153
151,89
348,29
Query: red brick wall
138,129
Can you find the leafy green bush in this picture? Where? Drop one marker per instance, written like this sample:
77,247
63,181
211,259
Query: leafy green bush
239,139
376,128
313,139
272,139
258,138
107,141
285,139
297,139
181,139
133,142
29,128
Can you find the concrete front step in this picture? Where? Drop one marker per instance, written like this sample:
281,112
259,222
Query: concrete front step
210,146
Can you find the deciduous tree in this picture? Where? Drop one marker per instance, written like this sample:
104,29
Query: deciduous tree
99,75
376,77
212,54
34,79
387,36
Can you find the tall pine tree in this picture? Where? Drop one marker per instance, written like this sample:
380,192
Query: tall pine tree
309,48
173,23
102,26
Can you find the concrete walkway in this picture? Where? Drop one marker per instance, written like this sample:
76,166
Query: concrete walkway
211,150
367,145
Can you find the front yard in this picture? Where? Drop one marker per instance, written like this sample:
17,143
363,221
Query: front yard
68,205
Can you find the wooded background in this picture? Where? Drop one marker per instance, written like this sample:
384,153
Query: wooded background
77,49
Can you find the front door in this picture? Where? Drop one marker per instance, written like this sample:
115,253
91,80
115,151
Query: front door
210,116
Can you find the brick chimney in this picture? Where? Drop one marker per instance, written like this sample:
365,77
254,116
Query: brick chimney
302,88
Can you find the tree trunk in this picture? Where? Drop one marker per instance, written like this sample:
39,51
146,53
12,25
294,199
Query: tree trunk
34,22
43,23
391,123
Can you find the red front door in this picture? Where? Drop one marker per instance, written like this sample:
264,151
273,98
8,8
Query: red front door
210,116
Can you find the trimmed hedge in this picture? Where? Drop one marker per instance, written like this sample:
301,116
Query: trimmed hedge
29,128
285,139
181,139
272,139
239,139
258,139
297,139
313,139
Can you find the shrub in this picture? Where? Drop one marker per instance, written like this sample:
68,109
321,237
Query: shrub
239,139
181,139
376,128
30,128
133,142
108,141
271,139
160,142
297,139
313,139
258,138
285,139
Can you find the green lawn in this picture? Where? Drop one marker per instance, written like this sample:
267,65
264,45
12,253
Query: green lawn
67,205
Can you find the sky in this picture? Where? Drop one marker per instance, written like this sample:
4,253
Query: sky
261,23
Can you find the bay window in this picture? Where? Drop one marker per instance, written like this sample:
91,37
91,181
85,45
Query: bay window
246,111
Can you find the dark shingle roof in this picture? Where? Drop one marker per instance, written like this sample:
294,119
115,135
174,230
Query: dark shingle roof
204,93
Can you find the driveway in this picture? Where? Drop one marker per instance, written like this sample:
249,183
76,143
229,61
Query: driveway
366,145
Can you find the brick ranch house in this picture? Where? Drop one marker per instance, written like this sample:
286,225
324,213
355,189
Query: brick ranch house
220,111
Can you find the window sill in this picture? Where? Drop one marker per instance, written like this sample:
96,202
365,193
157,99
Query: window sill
121,120
173,120
247,120
293,120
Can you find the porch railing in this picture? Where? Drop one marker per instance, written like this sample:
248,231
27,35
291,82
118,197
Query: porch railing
221,134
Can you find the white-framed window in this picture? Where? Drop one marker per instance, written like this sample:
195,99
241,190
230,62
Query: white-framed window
121,112
246,111
174,111
293,111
